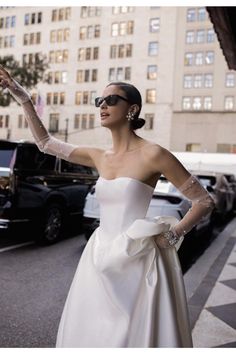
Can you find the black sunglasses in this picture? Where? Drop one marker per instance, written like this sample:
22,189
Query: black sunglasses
110,100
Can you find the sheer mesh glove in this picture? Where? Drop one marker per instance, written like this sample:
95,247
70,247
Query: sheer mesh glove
45,142
202,205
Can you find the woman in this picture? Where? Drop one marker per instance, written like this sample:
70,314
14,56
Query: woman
128,288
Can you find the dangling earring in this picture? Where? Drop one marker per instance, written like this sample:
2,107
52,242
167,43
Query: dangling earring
130,116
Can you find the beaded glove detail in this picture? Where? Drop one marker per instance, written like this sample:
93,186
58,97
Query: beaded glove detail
171,237
18,92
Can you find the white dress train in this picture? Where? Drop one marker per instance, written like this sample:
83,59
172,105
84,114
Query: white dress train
126,292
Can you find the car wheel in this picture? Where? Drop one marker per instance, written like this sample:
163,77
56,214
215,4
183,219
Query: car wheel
52,224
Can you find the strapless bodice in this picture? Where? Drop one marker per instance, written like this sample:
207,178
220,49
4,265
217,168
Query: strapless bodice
122,200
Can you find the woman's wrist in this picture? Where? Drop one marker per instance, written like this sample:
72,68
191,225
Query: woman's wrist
171,236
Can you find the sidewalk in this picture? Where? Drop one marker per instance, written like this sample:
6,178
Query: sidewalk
211,292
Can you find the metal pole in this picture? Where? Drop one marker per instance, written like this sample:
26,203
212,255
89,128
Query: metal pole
66,130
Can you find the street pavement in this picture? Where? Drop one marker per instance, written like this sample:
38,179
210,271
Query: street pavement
34,282
211,292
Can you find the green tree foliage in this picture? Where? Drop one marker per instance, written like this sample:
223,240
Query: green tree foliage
28,74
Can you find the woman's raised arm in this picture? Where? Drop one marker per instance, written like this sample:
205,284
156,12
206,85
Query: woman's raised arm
45,142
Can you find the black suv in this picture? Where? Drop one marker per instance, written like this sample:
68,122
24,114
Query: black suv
40,189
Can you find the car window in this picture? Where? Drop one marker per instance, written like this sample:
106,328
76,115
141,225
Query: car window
70,167
6,156
30,158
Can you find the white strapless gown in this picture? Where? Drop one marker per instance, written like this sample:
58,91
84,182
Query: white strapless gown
126,292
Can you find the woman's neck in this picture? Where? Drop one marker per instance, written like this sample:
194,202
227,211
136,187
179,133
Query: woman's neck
124,140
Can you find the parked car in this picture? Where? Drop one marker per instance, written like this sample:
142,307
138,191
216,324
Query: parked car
40,189
221,190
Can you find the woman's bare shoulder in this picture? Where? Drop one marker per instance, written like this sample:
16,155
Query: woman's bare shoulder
153,150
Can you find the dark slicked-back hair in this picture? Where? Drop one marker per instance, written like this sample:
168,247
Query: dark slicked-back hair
134,97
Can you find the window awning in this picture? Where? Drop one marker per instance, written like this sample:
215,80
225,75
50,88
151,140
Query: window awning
224,23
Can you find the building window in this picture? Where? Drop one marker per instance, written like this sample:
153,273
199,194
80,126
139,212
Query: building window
200,38
54,122
77,121
122,9
208,80
32,38
201,14
129,27
210,36
191,15
187,81
122,28
112,74
189,37
95,53
194,147
114,29
128,73
86,75
33,18
85,97
154,25
22,122
188,59
152,48
209,58
27,19
226,148
121,51
7,22
149,121
197,83
61,14
60,35
4,121
91,121
78,98
151,96
229,103
230,80
30,58
89,32
186,103
199,58
88,53
152,72
119,74
55,98
7,42
90,11
84,121
197,103
57,77
207,103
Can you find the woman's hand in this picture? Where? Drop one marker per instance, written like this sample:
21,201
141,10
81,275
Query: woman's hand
5,78
15,89
166,239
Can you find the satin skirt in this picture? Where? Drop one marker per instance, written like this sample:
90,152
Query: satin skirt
127,292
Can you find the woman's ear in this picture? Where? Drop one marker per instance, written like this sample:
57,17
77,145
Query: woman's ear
134,108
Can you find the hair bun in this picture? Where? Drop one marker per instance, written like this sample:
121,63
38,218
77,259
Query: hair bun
137,123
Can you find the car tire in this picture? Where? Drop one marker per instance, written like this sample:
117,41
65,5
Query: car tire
52,224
